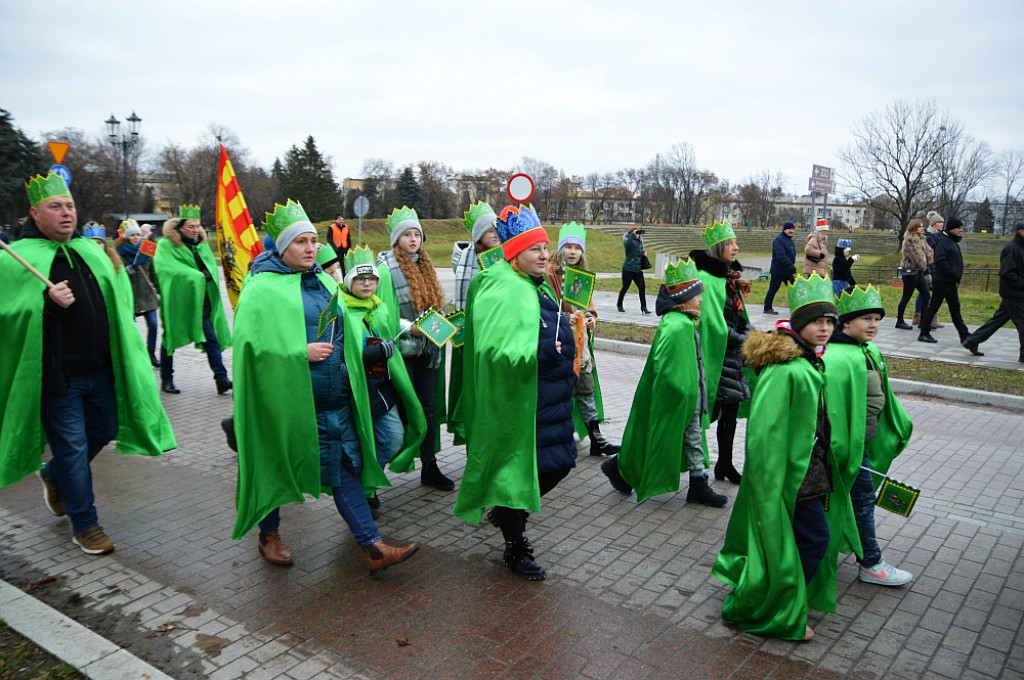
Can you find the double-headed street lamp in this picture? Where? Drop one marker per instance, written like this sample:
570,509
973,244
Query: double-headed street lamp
126,142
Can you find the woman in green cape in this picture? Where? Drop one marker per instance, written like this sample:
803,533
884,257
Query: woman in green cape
302,415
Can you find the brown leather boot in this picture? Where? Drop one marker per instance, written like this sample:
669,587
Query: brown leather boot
380,555
273,549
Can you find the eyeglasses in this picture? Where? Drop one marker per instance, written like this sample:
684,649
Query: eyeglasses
364,279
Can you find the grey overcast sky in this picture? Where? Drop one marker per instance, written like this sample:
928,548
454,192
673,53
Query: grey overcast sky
585,85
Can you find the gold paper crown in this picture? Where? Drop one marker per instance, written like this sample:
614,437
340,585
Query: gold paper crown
41,188
189,212
860,299
808,289
718,232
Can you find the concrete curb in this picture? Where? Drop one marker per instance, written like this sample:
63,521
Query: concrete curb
71,642
909,387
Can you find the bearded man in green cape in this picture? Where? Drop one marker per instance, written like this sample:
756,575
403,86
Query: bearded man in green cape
77,373
301,410
190,307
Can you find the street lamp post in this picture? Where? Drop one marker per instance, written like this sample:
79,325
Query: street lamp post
126,142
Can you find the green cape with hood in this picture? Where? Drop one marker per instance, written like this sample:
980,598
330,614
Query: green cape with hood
142,424
275,417
500,393
182,290
652,460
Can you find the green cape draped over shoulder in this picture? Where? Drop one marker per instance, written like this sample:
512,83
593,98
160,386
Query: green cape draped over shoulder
275,417
651,459
182,288
142,424
500,393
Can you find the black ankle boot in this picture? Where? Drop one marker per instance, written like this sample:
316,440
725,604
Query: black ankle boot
431,475
153,360
700,492
725,470
519,558
169,388
610,468
599,446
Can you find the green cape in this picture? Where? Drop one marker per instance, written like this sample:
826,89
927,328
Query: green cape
142,424
275,419
500,393
651,459
416,427
760,558
182,287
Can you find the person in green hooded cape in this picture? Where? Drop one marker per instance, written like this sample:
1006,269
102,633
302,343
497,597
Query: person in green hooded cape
517,389
671,391
870,428
778,534
301,410
190,306
76,373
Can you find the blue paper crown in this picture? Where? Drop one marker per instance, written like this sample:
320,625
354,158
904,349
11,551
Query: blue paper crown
94,232
514,221
845,243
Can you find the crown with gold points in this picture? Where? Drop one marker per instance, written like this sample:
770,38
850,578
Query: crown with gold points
283,217
478,211
807,289
682,281
718,232
859,300
573,232
41,188
401,219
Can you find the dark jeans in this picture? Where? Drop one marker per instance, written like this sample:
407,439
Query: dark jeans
77,426
862,493
636,277
773,288
212,348
1009,310
910,284
151,329
512,521
811,532
350,499
945,291
424,382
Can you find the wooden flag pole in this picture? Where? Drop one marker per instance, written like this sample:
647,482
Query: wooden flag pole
26,265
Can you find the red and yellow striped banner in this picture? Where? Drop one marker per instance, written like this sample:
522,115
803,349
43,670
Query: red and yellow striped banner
237,239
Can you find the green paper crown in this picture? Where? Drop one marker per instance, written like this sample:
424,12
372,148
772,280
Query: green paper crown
189,212
283,217
718,232
684,271
357,256
325,255
473,215
402,218
808,289
41,188
572,229
858,299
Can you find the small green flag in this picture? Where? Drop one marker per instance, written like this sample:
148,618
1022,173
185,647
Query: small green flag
896,497
489,257
328,316
437,328
458,319
578,287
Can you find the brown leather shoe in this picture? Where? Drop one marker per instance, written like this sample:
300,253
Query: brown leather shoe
273,549
380,555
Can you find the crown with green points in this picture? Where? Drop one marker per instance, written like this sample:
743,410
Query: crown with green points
717,232
283,217
859,300
360,255
808,289
478,211
573,232
325,256
189,212
401,219
41,188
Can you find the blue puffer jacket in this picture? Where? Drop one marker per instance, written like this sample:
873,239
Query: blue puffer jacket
556,446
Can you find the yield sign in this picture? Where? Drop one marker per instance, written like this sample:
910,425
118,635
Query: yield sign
58,149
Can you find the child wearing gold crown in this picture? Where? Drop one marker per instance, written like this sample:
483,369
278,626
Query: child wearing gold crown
869,429
409,286
778,535
671,391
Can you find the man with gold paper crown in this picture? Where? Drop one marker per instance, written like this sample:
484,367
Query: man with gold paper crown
301,409
190,306
79,376
518,381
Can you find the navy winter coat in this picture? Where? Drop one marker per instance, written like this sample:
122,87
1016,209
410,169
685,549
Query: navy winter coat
949,263
556,445
783,256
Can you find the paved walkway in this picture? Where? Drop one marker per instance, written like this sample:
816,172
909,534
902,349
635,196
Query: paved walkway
629,593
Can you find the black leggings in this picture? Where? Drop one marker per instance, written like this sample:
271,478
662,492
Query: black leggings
512,521
910,284
636,277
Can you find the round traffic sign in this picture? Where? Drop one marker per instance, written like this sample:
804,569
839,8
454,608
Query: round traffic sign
361,206
520,187
62,171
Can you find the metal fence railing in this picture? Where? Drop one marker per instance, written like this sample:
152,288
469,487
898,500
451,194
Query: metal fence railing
974,278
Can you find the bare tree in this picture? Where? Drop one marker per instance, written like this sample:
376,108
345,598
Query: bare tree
963,165
98,186
758,195
637,182
601,188
378,186
894,155
437,182
1010,171
683,193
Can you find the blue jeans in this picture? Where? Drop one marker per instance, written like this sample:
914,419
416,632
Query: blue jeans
862,493
77,426
212,348
350,500
151,329
388,433
810,528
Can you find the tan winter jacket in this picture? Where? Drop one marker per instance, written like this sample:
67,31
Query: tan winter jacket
917,254
816,254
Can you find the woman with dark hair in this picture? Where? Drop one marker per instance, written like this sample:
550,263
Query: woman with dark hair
632,271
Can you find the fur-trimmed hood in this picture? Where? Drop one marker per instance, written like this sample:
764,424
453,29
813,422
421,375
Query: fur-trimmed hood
763,349
712,265
170,232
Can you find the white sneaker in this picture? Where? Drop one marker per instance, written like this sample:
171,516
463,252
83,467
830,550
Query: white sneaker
884,574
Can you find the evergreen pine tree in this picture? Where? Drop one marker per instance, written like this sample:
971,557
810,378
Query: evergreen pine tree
306,176
984,219
408,191
19,159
